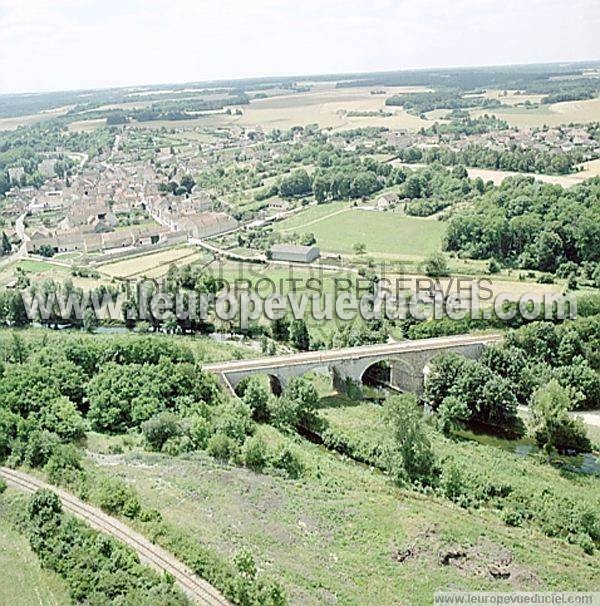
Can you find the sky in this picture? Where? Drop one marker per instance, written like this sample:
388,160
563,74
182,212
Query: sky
78,44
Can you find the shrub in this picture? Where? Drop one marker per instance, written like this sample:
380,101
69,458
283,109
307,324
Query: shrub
436,266
452,483
287,459
222,447
494,267
64,464
160,428
176,445
234,419
254,453
199,430
2,485
257,397
409,455
40,446
116,497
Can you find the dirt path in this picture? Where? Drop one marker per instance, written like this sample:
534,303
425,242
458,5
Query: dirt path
196,588
335,212
589,417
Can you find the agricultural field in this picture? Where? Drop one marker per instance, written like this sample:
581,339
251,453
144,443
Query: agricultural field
151,265
39,271
324,105
387,235
24,582
553,114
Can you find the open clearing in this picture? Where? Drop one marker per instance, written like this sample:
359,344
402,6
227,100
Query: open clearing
552,114
385,234
23,582
325,105
328,109
28,120
588,170
145,264
350,515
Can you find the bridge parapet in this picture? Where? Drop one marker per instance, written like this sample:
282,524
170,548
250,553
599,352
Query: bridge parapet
407,359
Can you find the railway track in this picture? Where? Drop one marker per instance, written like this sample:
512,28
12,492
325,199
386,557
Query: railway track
197,589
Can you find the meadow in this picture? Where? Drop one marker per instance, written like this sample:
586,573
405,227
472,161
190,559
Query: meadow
553,114
323,105
151,265
387,235
353,517
24,582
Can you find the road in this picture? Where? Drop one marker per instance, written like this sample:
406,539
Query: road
349,353
20,229
196,588
589,417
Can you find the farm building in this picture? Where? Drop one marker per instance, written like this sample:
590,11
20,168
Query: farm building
386,200
205,225
294,253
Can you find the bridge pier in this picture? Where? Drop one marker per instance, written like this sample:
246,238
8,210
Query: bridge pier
408,361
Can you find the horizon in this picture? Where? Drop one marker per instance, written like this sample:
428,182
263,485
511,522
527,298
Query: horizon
322,76
92,46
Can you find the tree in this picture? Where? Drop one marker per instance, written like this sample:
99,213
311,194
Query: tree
280,329
436,265
297,184
6,246
254,453
187,183
160,428
452,414
90,321
256,396
360,248
550,423
299,336
62,417
46,250
549,249
408,451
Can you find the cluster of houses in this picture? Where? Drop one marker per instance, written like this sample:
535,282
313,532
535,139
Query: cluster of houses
97,211
557,139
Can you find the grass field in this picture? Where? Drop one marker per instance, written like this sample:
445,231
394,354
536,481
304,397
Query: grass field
151,264
552,114
22,580
28,120
324,536
386,234
325,106
42,270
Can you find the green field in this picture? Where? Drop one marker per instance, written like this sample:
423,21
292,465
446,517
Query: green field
386,234
23,582
324,536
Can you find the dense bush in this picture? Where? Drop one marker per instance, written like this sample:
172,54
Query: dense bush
408,453
98,569
530,224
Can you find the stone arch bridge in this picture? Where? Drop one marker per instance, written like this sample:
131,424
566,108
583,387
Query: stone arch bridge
408,362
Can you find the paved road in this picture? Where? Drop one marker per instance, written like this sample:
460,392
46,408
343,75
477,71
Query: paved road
196,588
366,351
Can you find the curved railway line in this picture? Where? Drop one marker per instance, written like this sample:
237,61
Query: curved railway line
197,589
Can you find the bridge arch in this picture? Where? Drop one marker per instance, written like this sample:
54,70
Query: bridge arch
380,371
